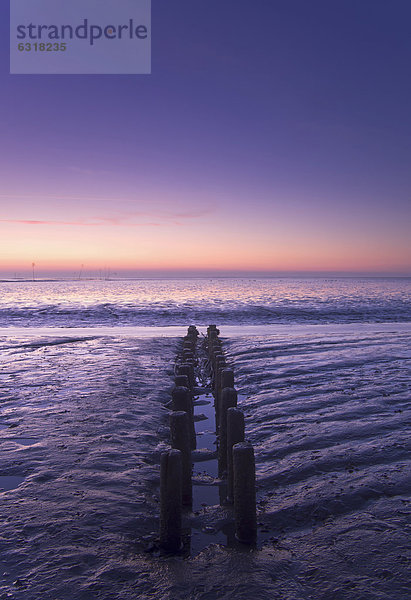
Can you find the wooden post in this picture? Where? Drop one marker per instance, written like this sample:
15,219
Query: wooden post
192,331
180,440
225,380
220,365
170,500
235,435
244,493
181,381
188,355
228,400
181,401
187,369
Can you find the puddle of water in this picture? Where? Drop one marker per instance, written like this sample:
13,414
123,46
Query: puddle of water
208,467
10,482
23,441
201,539
205,493
206,439
205,429
202,402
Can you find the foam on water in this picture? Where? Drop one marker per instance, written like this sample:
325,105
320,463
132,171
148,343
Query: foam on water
225,301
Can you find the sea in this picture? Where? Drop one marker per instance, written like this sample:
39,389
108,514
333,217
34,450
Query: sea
322,368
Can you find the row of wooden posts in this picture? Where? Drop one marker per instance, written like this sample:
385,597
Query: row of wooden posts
235,456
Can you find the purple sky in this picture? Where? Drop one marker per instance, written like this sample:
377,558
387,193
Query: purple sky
272,136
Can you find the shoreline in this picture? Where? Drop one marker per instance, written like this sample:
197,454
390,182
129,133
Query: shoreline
138,331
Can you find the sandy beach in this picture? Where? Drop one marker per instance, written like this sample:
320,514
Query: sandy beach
83,422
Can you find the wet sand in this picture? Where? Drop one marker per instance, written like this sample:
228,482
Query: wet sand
82,425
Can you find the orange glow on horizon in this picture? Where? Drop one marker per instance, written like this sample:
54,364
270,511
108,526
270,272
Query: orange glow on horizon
207,244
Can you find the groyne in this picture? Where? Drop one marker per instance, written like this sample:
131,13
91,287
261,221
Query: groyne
202,371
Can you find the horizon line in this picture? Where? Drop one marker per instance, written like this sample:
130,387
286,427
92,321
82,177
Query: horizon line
108,275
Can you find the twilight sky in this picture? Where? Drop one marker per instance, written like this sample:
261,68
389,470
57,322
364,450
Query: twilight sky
272,136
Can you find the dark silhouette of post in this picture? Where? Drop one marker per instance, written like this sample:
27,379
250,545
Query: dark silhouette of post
235,435
244,493
181,401
181,381
220,365
216,355
189,345
212,338
170,500
180,440
211,328
187,369
225,380
228,400
188,355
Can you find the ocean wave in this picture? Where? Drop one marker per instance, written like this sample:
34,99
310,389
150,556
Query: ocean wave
153,315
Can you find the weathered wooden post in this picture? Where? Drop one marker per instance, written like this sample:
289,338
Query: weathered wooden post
182,381
228,400
220,365
225,380
244,493
212,328
188,350
187,369
180,440
188,355
216,354
235,435
213,341
170,500
181,401
193,331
